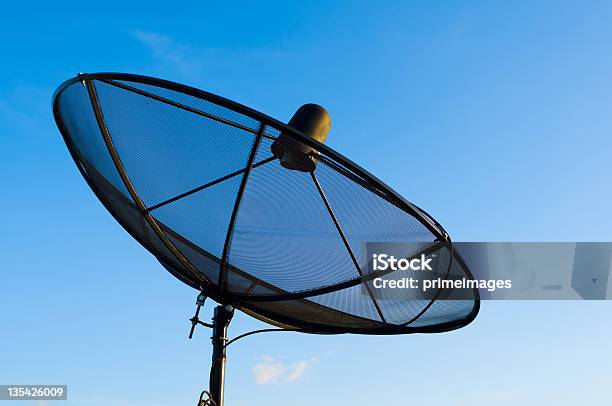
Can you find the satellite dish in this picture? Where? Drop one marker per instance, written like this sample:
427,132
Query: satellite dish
258,215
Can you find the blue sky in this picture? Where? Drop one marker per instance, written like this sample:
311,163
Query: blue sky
495,117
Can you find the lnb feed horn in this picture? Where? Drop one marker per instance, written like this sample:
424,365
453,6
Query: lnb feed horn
311,120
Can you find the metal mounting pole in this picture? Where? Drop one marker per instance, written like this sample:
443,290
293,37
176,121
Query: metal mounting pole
223,316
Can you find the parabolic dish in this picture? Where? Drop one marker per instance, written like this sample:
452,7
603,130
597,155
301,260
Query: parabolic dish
192,177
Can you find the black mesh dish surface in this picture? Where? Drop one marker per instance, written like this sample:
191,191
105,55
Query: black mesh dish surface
193,178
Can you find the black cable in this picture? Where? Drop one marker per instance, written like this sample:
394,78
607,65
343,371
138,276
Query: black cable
271,330
264,330
206,402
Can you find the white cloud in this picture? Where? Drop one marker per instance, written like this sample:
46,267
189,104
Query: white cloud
299,369
192,62
272,371
166,50
268,371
